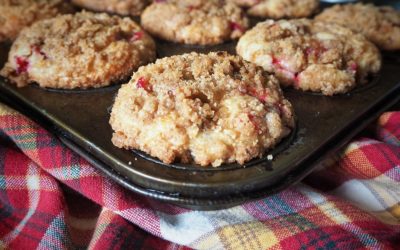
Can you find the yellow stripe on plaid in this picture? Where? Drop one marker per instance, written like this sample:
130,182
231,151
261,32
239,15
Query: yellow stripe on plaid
30,130
395,211
254,235
5,110
333,213
384,118
391,216
377,196
382,191
209,241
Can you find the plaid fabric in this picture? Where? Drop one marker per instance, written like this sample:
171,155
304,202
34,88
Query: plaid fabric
50,198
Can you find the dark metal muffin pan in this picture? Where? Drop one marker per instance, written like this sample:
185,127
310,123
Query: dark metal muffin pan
323,124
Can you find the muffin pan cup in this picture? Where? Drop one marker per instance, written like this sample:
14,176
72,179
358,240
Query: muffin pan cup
323,125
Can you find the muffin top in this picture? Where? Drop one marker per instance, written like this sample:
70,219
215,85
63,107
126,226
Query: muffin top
18,14
201,22
380,24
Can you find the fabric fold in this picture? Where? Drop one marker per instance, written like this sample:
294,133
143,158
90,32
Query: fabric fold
355,203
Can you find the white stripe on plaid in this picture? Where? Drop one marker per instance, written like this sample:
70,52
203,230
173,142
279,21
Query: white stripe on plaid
336,215
374,195
188,228
34,196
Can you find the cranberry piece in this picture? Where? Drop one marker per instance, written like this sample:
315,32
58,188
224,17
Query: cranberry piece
191,8
260,95
252,91
143,83
236,26
22,64
280,107
297,80
309,51
283,69
263,96
353,67
137,36
276,61
37,49
253,121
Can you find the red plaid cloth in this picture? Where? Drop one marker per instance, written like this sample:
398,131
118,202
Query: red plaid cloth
354,204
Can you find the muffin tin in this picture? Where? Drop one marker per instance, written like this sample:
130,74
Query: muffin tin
323,124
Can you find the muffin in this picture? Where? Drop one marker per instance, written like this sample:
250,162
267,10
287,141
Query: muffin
207,109
84,50
311,55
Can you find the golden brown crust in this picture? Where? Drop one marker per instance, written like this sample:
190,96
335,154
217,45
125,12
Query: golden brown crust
18,14
379,24
311,55
211,109
121,7
194,22
78,51
279,8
